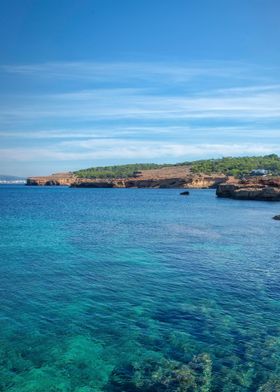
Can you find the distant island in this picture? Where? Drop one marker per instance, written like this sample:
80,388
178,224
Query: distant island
6,179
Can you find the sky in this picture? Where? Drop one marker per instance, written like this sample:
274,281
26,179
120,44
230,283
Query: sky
97,82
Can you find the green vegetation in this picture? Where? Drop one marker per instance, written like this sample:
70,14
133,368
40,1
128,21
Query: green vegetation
230,165
119,171
237,166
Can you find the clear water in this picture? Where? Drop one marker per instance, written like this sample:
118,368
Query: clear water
137,290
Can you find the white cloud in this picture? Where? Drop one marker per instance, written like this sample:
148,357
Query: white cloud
138,111
121,149
129,71
165,131
124,104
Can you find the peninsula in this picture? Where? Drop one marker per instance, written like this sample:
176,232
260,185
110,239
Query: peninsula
162,177
256,178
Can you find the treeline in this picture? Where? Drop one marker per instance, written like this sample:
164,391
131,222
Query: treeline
237,166
118,171
241,166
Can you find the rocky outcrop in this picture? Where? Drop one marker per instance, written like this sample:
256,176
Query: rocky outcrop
65,179
204,181
253,189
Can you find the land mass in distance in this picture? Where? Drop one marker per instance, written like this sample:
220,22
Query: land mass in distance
255,178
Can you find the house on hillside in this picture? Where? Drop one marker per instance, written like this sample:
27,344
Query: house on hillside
137,174
259,172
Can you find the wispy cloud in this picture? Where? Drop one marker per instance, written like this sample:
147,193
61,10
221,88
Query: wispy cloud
132,111
130,132
112,149
132,71
82,106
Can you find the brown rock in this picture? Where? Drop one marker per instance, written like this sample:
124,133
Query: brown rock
254,189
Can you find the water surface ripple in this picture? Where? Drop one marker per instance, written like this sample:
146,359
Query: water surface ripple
137,290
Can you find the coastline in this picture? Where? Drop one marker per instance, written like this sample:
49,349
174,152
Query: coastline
169,177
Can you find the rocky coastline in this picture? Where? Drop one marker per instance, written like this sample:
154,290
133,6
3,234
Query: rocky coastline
263,189
254,188
178,177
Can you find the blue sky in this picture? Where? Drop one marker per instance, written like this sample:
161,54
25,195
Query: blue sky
86,83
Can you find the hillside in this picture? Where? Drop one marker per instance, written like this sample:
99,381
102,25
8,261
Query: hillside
118,171
240,166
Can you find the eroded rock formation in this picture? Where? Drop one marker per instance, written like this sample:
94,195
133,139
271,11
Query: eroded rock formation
54,179
266,189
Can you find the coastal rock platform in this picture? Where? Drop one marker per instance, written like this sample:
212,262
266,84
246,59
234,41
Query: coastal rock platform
267,189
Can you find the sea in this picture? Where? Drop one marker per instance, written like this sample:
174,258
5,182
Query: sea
131,290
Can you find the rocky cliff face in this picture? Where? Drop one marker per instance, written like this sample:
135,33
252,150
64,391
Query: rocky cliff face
188,182
267,189
54,179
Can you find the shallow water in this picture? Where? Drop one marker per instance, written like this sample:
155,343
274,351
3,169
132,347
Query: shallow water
137,290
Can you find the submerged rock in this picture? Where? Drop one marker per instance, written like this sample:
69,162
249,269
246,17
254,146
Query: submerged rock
276,217
270,386
163,375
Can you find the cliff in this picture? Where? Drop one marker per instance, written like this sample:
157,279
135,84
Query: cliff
188,182
54,179
168,177
266,189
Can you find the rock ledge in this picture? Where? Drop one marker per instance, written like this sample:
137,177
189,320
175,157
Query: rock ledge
253,189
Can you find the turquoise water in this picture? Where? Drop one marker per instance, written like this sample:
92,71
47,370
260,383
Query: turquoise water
137,290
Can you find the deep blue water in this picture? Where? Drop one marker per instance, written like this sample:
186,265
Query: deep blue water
137,290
